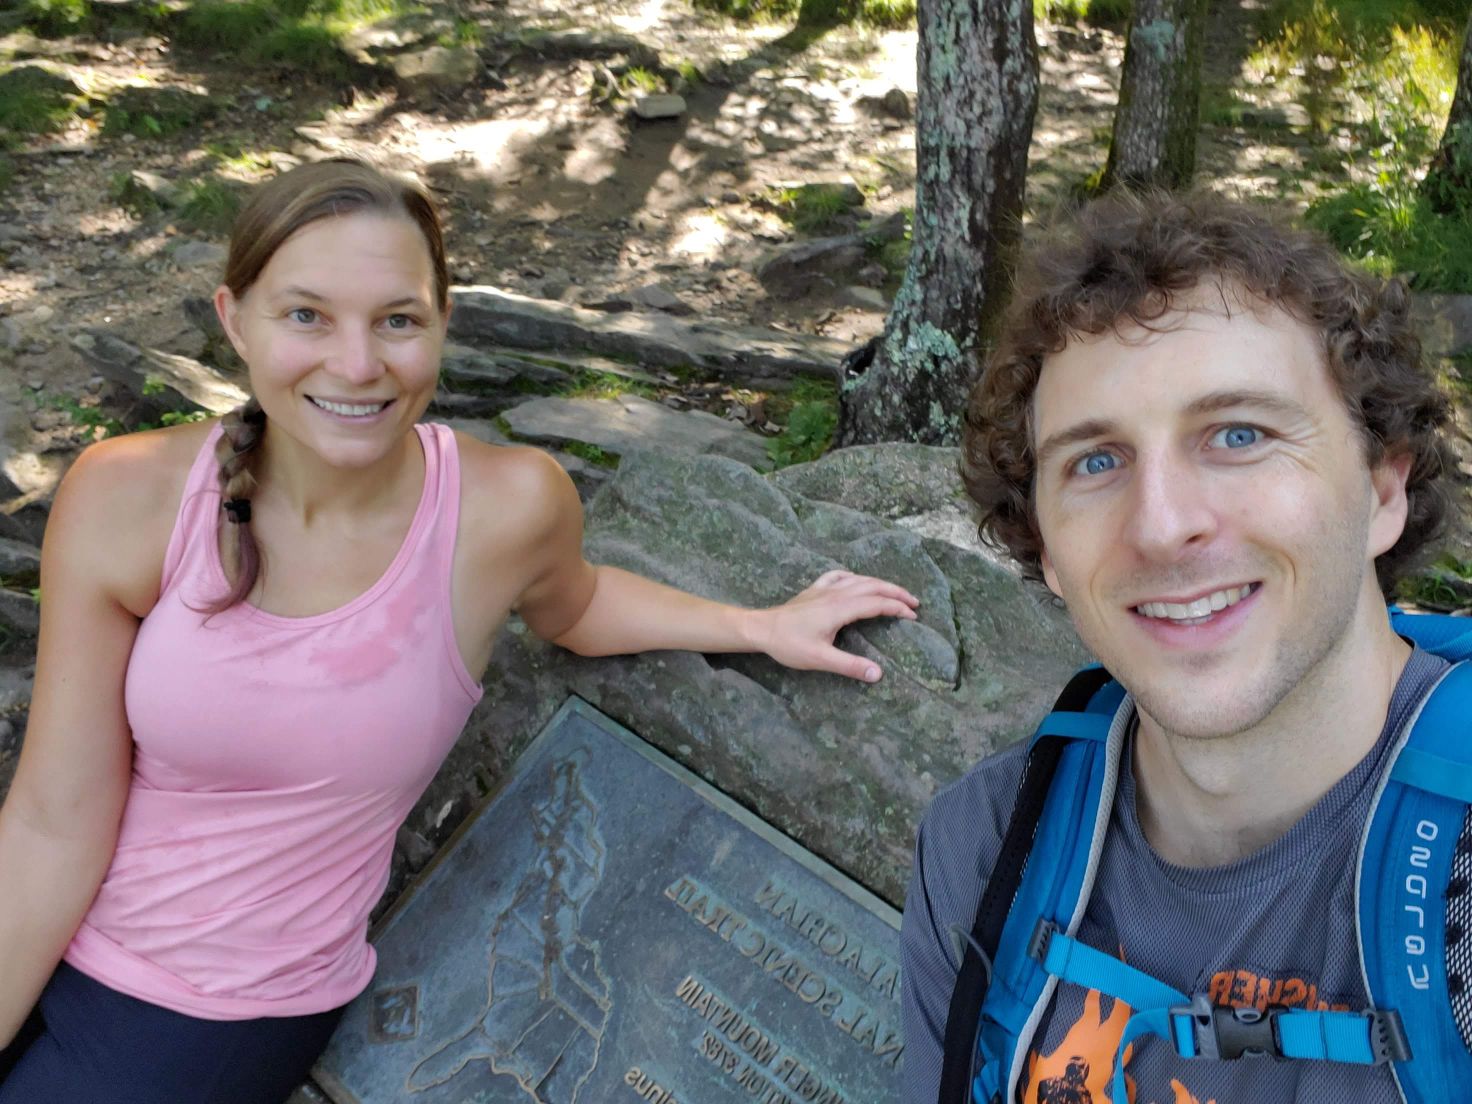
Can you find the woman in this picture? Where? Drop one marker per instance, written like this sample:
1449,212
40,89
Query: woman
260,637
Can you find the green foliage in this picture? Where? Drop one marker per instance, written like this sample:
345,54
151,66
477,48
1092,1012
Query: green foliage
230,153
1364,58
465,32
813,208
894,253
1101,13
1446,585
1448,185
642,80
1221,107
156,112
1394,231
221,24
303,48
304,36
56,18
591,453
591,384
87,416
807,435
34,100
209,205
132,197
173,418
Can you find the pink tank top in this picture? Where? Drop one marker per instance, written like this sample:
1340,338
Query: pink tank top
275,758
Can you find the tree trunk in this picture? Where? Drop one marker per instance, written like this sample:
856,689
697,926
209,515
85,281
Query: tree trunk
1449,180
978,92
1159,96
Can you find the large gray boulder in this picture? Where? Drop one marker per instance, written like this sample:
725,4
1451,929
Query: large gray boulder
756,357
629,423
846,769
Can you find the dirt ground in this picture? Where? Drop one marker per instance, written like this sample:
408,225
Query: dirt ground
546,190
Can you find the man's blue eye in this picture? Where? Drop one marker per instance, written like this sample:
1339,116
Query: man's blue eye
1096,463
1236,437
305,315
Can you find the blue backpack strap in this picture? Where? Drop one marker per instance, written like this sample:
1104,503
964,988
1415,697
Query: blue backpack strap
1448,637
1405,865
1066,832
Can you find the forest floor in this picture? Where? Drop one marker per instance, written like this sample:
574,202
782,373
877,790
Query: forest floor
549,187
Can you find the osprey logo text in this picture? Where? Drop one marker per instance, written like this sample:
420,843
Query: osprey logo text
1415,886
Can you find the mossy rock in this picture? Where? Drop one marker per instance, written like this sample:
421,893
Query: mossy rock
36,100
157,112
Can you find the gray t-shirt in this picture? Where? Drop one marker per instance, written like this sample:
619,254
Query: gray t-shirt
1276,927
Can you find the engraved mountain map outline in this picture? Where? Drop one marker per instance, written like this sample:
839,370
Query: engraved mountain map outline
546,982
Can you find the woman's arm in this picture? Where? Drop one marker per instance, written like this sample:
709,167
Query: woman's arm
607,611
59,822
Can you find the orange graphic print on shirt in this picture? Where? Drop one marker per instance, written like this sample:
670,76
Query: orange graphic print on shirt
1080,1069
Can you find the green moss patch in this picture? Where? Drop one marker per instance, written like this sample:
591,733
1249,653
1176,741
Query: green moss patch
36,100
157,112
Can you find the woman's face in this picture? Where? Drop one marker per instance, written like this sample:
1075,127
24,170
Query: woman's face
342,334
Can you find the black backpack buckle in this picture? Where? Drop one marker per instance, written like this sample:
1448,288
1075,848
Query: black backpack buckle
1227,1033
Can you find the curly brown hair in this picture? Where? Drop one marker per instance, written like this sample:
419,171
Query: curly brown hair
1124,261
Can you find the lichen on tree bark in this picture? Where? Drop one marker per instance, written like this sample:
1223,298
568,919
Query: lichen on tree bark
1156,120
978,90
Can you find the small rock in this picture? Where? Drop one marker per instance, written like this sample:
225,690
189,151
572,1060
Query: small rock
873,275
896,104
865,298
416,849
41,315
146,191
555,283
9,334
665,105
439,68
198,254
19,613
793,272
9,235
648,297
19,558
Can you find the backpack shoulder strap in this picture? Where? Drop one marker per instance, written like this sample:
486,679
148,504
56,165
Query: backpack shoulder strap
1448,637
1080,718
1406,856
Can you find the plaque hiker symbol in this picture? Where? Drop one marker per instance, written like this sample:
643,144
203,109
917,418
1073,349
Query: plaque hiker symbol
548,996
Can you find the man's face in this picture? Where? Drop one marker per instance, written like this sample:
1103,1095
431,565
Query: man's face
1207,512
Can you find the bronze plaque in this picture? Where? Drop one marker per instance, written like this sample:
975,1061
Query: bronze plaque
608,929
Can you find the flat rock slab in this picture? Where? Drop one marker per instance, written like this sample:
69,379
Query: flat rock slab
609,923
757,357
175,380
629,423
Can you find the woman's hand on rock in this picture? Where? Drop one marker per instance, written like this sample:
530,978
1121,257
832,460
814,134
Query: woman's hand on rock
800,632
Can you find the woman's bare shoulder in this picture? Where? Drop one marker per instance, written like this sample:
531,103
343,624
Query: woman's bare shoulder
117,503
135,470
512,497
518,478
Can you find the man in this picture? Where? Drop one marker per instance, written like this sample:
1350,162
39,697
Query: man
1217,446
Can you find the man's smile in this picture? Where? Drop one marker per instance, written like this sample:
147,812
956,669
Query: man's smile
1196,610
